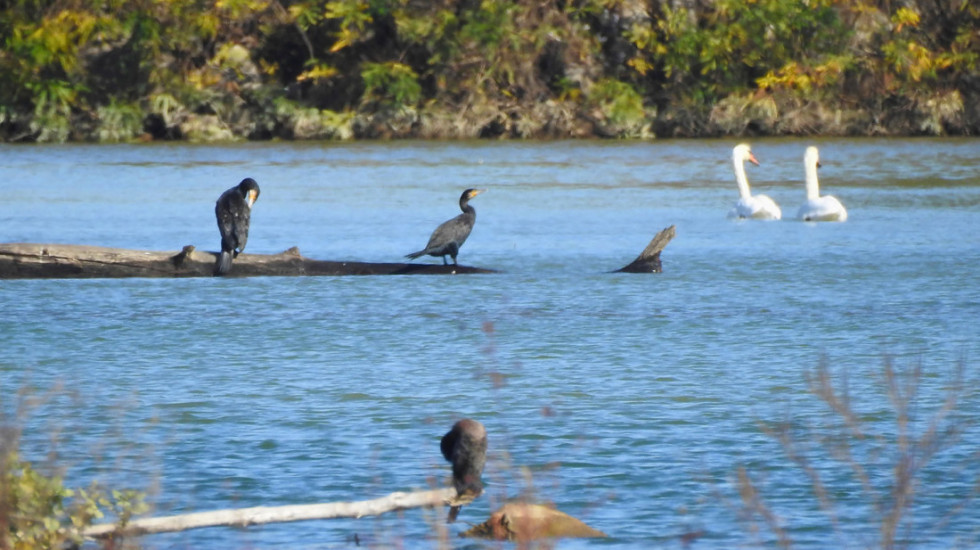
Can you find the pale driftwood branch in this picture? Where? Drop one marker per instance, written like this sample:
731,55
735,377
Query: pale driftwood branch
649,260
244,517
69,261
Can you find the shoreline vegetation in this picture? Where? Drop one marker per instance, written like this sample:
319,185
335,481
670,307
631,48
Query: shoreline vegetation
226,70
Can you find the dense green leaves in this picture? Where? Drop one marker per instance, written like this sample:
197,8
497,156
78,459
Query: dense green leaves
38,511
391,83
114,70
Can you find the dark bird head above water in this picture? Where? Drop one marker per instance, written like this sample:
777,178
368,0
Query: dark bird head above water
465,447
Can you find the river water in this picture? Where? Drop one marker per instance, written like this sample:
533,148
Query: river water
629,401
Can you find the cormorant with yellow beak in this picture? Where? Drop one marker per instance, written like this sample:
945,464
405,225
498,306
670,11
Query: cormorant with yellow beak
233,210
447,239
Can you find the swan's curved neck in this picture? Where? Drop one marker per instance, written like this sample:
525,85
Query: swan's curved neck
740,178
812,185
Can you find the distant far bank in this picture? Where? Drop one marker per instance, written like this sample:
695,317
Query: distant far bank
217,71
754,116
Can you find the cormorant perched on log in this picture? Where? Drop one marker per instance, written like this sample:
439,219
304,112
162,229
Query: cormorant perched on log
233,209
447,239
465,446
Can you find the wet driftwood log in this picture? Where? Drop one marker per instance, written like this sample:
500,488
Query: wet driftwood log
258,515
70,261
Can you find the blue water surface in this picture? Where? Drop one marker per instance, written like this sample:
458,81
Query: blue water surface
630,401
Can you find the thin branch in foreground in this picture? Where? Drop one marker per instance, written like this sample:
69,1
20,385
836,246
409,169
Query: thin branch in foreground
754,504
890,465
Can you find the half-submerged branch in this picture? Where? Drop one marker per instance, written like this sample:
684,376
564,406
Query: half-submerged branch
72,261
649,260
258,515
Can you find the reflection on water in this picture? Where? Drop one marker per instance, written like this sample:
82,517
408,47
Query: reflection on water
630,399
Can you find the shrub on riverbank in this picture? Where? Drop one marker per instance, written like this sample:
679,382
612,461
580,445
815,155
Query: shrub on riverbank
347,69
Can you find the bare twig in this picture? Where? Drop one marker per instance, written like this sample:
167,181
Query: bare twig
754,503
904,454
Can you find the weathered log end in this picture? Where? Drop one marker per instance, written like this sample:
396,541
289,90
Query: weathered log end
524,522
649,260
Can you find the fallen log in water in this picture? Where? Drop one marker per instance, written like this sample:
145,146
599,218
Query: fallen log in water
258,515
72,261
69,261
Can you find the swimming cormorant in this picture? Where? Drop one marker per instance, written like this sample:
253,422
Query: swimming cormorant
465,446
233,209
447,239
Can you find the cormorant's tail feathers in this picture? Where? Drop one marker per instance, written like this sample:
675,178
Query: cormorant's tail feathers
224,263
414,255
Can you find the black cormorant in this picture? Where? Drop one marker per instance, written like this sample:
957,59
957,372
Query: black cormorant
465,446
233,209
447,239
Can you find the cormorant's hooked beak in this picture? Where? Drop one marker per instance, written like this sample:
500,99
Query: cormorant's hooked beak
252,196
477,192
752,159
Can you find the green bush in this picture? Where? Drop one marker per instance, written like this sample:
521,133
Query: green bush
620,107
119,121
390,84
38,511
62,68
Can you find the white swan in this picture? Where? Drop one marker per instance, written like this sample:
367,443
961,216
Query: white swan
760,206
817,208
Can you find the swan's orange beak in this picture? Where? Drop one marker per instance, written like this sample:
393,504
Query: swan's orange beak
752,159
